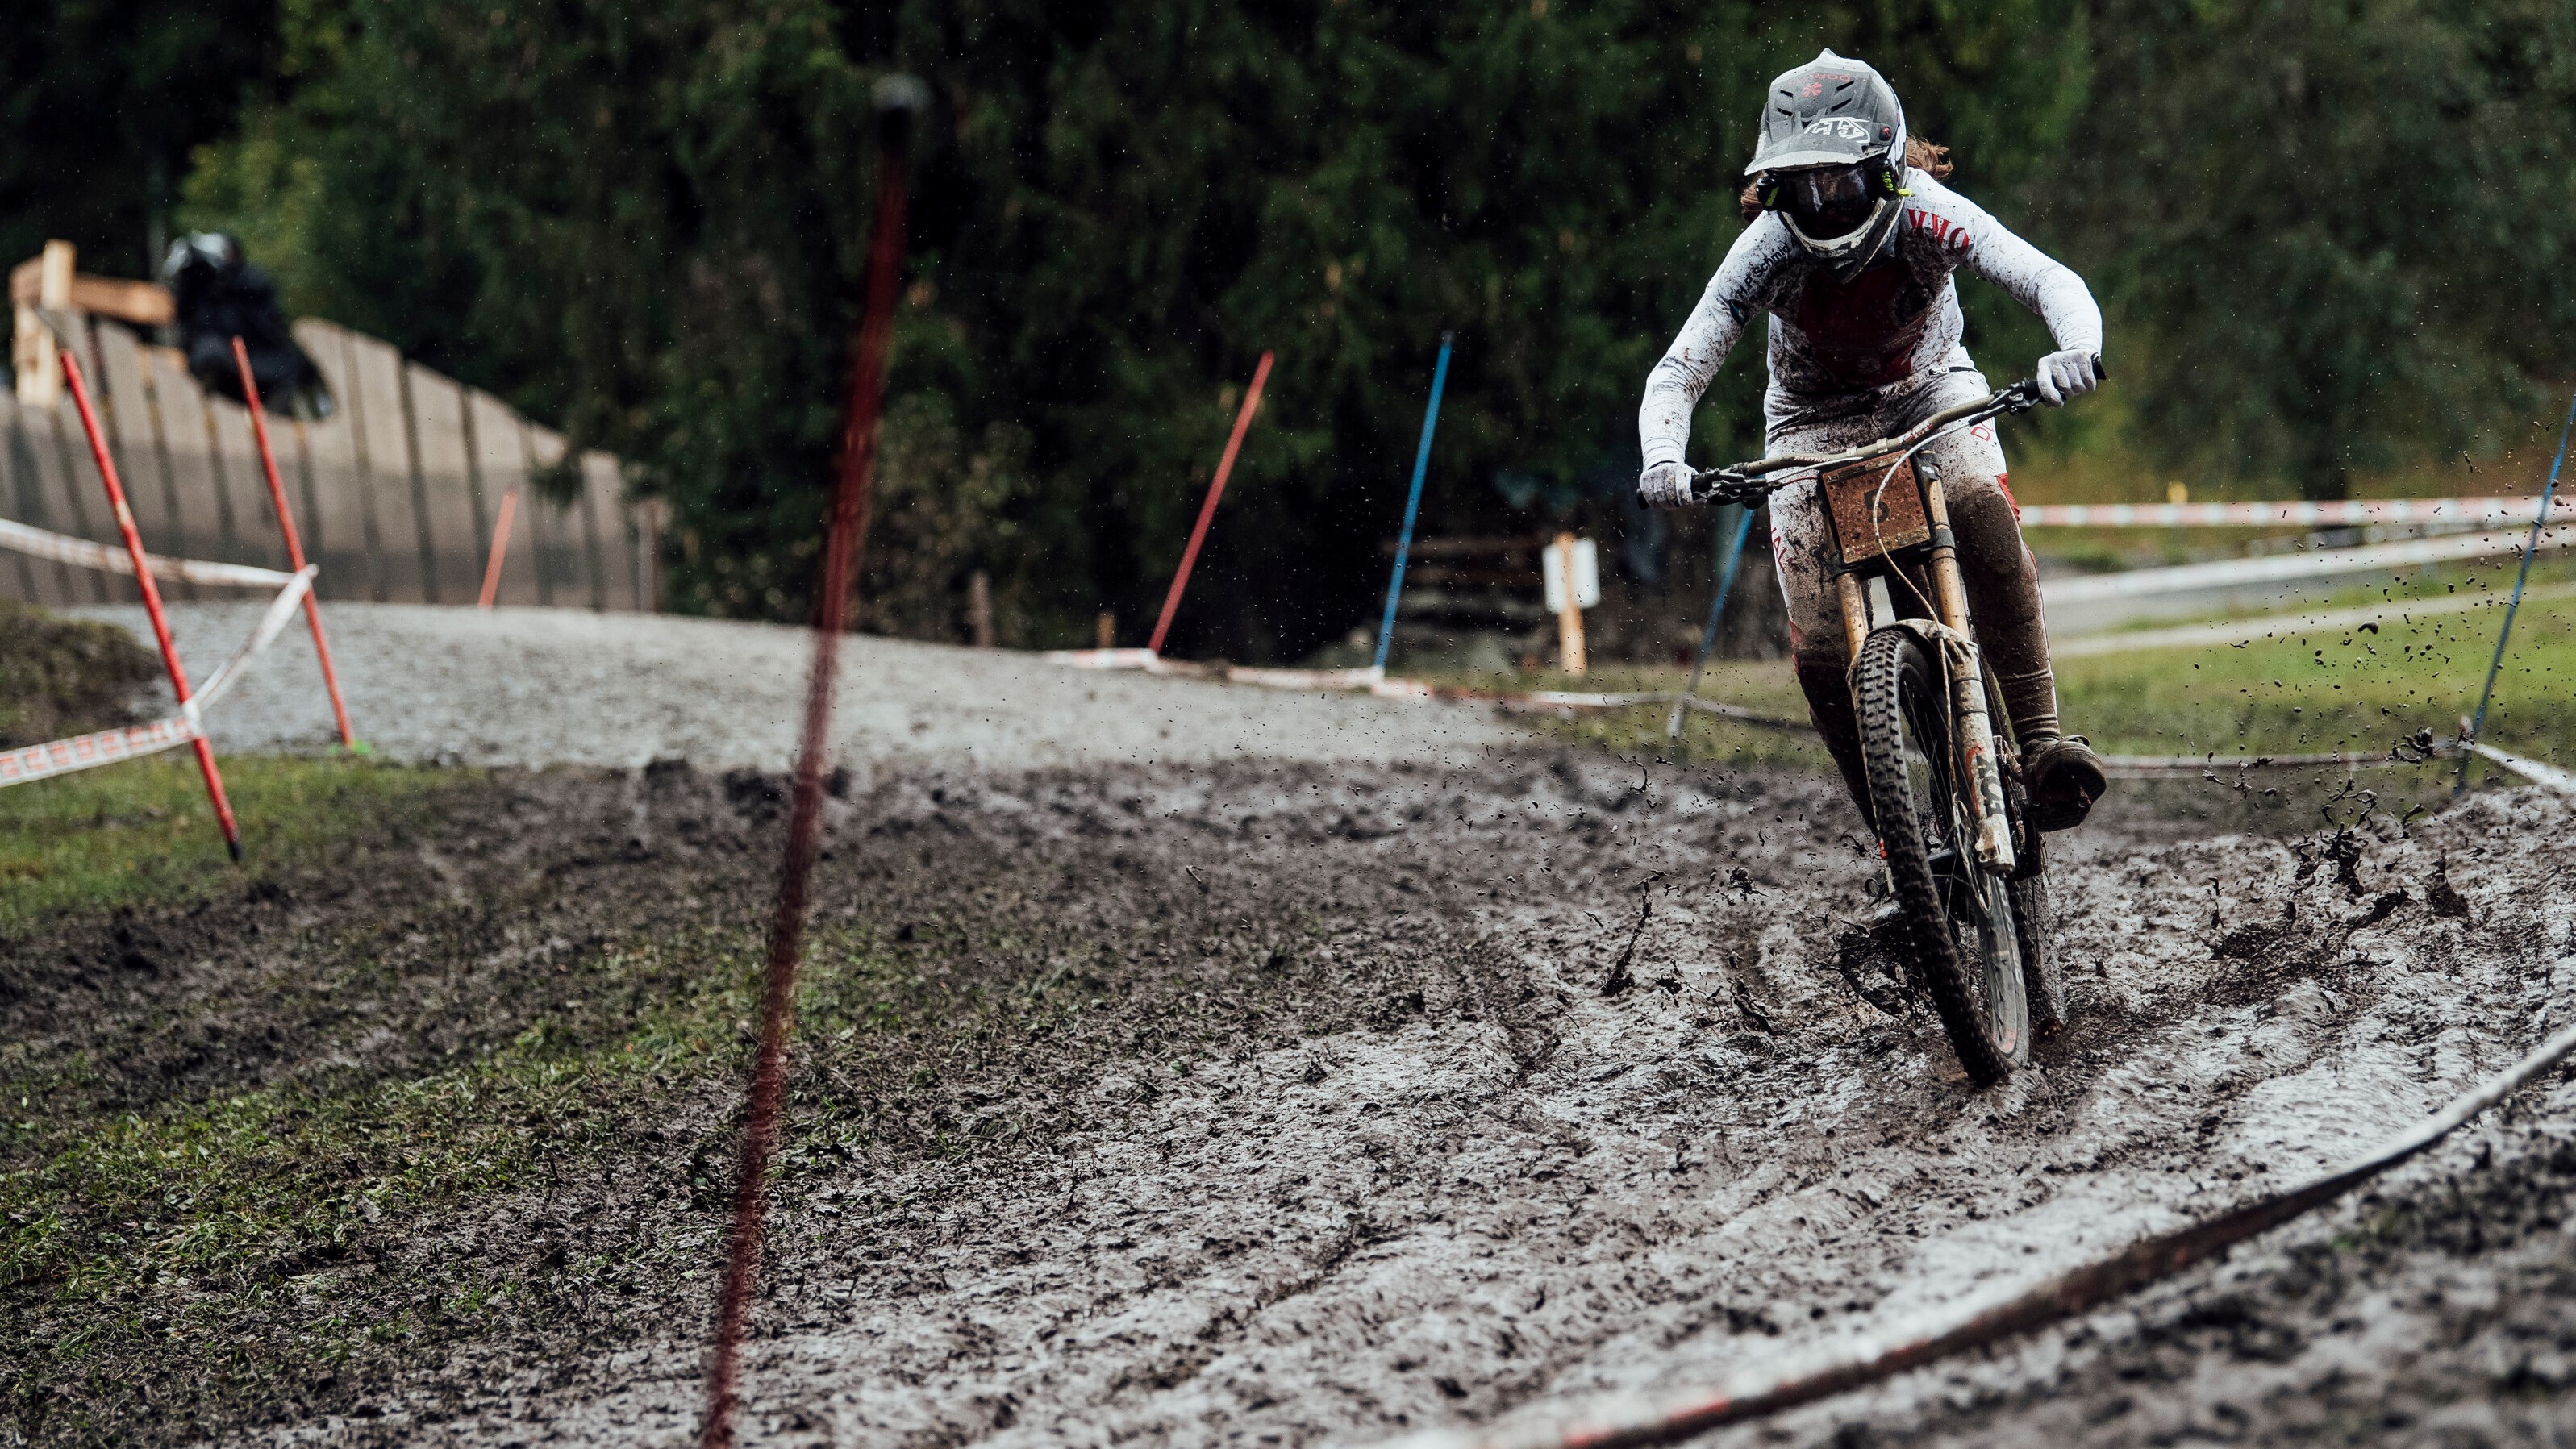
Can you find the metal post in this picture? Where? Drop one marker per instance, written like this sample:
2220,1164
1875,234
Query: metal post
2469,746
294,544
1727,558
1412,505
1207,510
152,604
898,97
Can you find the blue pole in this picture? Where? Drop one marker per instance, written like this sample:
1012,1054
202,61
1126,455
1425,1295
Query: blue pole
1727,559
2479,724
1413,501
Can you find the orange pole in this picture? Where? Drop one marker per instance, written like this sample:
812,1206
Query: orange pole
294,545
151,596
500,546
1207,510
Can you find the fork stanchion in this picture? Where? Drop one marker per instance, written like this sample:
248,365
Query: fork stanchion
294,544
152,602
2468,743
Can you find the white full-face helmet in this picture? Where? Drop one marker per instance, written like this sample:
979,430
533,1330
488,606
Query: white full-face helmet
1831,159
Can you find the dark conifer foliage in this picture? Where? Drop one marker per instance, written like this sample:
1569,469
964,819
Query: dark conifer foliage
2330,235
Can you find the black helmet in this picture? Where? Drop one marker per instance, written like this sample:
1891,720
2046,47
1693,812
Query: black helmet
1831,159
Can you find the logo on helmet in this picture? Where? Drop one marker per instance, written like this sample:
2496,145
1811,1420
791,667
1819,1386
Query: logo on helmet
1845,128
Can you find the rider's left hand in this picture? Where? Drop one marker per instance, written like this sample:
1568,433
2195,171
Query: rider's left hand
2068,374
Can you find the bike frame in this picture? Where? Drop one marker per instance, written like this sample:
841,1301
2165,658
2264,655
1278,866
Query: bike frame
1937,553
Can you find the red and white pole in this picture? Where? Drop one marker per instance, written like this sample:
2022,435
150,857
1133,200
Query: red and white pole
897,98
151,600
294,544
1207,510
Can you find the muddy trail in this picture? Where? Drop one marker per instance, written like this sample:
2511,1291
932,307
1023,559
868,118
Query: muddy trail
1287,1104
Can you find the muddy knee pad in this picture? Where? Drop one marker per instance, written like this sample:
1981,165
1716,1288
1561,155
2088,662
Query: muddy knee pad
1829,704
2003,595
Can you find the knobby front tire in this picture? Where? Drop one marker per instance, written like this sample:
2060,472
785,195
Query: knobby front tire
1961,924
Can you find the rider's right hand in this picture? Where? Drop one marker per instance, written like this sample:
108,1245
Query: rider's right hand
1664,485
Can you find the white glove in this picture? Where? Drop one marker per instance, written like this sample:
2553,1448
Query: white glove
2067,375
1665,485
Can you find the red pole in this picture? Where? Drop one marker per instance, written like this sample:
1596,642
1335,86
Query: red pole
151,596
897,97
294,544
1207,510
500,546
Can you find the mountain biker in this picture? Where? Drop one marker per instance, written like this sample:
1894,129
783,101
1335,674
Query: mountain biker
1851,247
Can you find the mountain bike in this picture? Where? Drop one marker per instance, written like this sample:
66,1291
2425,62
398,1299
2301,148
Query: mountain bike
1938,748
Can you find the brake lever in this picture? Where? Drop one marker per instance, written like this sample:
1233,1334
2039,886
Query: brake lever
2021,397
1718,486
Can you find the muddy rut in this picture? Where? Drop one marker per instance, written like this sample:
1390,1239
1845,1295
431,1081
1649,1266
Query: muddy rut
1632,1095
1300,1104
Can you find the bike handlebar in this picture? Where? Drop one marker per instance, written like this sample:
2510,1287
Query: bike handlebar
1747,483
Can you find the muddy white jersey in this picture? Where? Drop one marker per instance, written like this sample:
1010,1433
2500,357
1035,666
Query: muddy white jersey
1855,347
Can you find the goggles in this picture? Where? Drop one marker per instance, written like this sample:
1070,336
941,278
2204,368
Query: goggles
1828,202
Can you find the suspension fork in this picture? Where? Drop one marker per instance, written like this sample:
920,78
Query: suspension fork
1967,688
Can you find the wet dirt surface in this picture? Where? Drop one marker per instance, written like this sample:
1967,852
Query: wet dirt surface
1292,1103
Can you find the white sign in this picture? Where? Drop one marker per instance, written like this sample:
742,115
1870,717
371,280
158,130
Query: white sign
1587,575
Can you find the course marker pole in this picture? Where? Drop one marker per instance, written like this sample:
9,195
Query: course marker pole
1412,504
500,547
2520,577
897,98
152,602
295,545
1727,559
1207,510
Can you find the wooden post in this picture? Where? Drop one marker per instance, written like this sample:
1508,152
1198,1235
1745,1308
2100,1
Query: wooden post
1105,630
1569,619
979,609
39,367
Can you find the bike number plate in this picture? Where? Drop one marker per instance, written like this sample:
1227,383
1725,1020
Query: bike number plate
1870,521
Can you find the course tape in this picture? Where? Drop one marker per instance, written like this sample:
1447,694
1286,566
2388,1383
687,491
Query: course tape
2473,512
2288,567
81,553
107,747
1861,1360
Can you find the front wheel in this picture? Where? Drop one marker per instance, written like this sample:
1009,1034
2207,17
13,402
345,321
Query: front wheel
1960,923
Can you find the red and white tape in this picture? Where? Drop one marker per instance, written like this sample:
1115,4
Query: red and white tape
2467,512
107,747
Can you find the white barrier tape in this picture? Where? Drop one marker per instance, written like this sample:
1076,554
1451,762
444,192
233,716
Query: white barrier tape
2537,773
2290,567
2470,511
81,553
106,747
82,752
281,612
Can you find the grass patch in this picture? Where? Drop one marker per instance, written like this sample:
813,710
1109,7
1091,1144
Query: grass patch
299,1240
65,676
2287,691
143,831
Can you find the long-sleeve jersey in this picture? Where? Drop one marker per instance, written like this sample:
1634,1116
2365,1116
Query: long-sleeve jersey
1890,329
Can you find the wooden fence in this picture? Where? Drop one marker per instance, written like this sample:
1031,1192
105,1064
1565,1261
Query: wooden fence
396,496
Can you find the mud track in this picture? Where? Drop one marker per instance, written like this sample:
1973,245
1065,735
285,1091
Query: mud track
1301,1103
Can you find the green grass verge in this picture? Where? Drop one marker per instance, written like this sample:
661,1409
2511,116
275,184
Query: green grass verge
2286,691
144,831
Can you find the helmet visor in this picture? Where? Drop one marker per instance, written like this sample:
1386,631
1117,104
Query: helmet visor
1828,202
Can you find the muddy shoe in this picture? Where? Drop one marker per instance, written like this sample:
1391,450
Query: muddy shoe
2064,778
